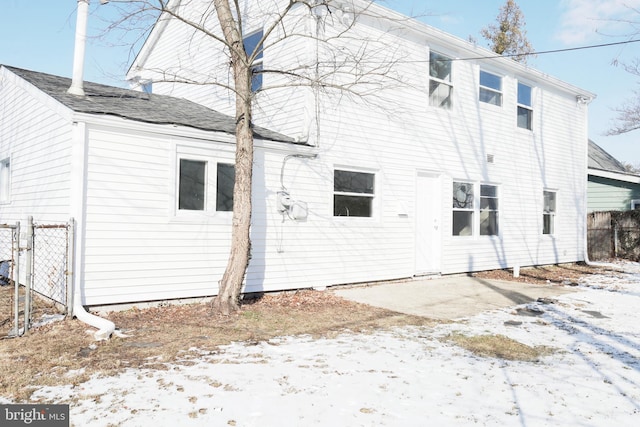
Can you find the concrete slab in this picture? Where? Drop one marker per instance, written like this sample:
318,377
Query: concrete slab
449,298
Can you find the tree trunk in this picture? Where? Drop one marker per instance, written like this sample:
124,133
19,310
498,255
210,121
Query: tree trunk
230,286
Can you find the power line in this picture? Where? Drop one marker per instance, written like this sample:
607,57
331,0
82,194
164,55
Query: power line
544,52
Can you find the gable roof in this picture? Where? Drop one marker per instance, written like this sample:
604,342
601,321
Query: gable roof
600,159
604,165
138,106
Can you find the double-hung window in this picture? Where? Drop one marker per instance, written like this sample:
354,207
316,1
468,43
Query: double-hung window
5,180
549,212
440,86
490,88
193,191
488,210
252,46
525,110
471,212
463,204
353,193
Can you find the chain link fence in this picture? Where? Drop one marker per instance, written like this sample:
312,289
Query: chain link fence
34,274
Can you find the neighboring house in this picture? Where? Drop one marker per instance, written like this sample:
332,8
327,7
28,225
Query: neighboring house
610,186
465,166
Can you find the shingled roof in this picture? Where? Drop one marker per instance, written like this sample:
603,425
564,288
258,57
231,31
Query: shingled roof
139,106
600,159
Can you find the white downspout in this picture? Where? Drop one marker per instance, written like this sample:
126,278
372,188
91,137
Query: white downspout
78,52
78,201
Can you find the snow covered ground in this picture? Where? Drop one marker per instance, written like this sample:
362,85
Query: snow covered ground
404,377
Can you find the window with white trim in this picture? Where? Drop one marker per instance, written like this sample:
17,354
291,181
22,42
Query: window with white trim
5,180
463,208
475,210
252,44
440,86
353,193
549,212
488,210
193,188
525,110
490,88
635,205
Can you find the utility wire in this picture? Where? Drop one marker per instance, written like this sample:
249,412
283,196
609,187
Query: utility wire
543,52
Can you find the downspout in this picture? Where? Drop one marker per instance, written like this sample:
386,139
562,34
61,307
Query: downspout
78,196
583,102
77,238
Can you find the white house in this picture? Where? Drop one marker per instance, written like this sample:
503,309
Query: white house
466,162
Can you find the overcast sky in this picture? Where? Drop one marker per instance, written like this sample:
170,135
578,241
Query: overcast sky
38,35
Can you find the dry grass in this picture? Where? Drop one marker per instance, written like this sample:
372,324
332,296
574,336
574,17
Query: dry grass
499,346
554,274
63,352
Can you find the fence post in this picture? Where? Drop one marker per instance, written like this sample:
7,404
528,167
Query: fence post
28,265
615,240
15,256
70,267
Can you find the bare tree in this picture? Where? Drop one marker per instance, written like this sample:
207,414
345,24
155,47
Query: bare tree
628,114
345,70
508,36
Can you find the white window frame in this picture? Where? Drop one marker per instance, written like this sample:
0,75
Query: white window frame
210,187
548,211
484,89
373,196
5,180
257,78
447,104
524,106
635,204
475,210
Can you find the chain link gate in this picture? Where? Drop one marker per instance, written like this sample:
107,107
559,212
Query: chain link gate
11,303
41,275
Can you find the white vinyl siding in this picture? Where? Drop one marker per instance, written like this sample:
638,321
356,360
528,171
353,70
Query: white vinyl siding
395,133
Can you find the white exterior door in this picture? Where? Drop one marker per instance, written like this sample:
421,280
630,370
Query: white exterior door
428,229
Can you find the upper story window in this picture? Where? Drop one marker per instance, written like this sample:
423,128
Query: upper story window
252,44
440,86
525,111
549,212
5,180
490,88
353,193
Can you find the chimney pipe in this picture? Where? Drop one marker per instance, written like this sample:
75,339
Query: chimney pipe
78,53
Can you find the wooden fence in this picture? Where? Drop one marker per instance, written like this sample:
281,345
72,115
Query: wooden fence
613,235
